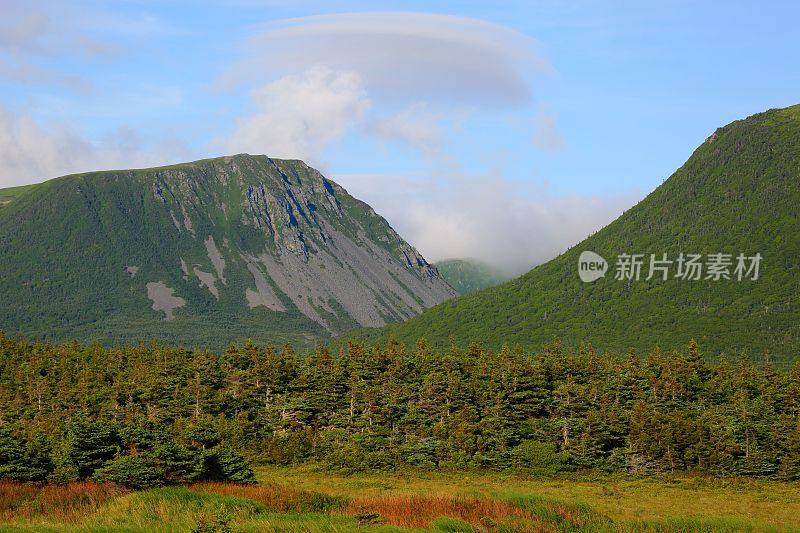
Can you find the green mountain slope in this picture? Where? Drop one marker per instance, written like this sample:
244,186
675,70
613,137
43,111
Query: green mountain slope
203,254
10,194
739,192
467,276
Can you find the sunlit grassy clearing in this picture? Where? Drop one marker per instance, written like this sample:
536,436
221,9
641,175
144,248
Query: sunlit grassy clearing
620,499
305,499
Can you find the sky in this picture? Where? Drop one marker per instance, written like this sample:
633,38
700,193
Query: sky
500,131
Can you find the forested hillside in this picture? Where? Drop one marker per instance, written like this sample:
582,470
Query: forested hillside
738,194
74,411
204,254
467,276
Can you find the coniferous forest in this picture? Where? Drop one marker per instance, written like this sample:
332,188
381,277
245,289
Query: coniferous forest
152,415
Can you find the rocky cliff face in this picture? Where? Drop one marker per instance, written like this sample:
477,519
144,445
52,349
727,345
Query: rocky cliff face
215,244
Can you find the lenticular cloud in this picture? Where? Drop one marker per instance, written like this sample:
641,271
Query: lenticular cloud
410,56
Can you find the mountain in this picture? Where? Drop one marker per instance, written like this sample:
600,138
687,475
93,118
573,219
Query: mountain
468,275
739,193
203,253
10,194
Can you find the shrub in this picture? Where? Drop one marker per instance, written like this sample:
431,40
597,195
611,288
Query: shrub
539,458
132,471
362,452
224,464
180,464
317,502
216,524
419,452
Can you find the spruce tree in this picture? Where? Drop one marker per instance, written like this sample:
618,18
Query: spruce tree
16,461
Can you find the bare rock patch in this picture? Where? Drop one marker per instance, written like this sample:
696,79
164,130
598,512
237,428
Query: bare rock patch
263,295
216,258
163,298
208,281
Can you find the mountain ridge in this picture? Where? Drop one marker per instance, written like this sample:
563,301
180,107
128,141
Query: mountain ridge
737,193
227,244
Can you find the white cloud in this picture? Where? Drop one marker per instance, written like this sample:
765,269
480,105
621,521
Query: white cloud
504,224
297,116
417,126
432,67
32,152
29,152
547,135
406,56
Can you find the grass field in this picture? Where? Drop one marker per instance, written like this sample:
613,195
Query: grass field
306,499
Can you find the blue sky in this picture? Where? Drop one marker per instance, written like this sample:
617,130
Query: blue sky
501,131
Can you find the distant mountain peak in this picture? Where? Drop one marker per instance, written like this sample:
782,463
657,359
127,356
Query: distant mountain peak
469,275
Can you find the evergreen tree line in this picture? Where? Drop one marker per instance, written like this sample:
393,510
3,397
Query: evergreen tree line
150,415
134,453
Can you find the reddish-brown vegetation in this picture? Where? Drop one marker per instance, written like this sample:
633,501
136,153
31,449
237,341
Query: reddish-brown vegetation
276,497
418,511
404,510
62,502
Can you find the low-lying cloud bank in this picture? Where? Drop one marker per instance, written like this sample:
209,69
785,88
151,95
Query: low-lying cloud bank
508,225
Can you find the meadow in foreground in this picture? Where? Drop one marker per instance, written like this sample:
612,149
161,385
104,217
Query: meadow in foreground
307,499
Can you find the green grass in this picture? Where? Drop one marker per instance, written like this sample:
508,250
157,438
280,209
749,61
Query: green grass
181,509
611,502
169,509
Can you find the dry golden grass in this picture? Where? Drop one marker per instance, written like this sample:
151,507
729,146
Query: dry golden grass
281,499
57,502
417,511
